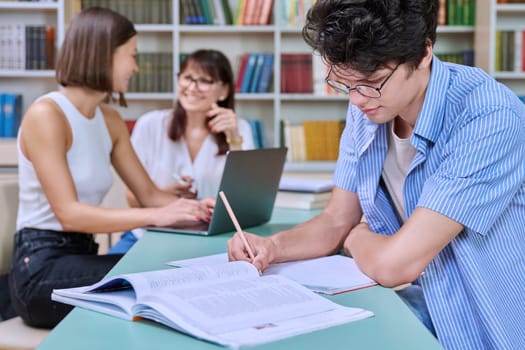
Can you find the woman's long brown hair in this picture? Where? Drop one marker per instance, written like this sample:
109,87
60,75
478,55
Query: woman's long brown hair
217,66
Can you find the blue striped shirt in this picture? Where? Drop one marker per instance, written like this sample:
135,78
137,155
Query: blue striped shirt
469,166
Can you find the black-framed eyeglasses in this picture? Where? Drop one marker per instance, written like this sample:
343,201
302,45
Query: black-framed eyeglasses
363,89
201,84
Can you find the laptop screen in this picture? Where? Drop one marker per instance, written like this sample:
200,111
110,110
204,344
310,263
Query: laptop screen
250,181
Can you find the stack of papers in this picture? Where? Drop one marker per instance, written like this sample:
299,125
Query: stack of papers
300,184
303,193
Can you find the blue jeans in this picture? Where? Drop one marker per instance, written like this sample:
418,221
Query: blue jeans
415,300
127,240
44,260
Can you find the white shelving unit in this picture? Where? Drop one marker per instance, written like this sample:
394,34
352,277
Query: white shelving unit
8,155
31,13
454,38
491,17
270,107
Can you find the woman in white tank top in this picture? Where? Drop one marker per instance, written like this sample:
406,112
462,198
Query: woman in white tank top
67,143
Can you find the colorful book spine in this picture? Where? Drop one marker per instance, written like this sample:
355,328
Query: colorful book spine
248,74
265,12
2,118
293,12
206,11
227,11
266,74
296,73
256,73
257,132
242,70
312,140
457,12
12,114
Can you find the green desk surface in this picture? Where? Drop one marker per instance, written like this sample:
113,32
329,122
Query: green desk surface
392,327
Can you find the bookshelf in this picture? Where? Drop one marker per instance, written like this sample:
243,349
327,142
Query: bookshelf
29,83
40,13
493,17
277,37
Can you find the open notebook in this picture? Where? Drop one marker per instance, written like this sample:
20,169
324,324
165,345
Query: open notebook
250,181
332,274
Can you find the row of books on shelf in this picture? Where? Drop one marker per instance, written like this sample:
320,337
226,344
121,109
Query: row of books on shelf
257,132
209,12
465,57
255,73
224,12
297,73
510,51
293,12
155,73
300,73
26,46
312,139
457,12
10,114
305,73
138,11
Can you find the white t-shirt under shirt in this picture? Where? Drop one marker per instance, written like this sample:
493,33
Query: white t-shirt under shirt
163,157
395,169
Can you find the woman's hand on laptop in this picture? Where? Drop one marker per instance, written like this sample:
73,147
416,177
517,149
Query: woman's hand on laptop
209,204
183,210
263,249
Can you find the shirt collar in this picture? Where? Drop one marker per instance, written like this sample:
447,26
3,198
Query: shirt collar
430,119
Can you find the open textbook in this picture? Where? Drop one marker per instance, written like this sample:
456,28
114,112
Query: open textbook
228,304
328,275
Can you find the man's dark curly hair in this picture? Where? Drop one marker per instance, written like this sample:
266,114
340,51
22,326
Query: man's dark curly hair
367,35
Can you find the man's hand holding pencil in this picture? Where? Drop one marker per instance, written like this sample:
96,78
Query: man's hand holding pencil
246,246
262,248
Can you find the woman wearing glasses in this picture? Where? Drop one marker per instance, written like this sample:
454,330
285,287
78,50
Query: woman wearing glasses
184,149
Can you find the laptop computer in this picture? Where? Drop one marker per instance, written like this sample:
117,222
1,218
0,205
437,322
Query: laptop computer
250,181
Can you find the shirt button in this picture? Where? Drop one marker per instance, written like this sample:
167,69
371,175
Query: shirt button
26,260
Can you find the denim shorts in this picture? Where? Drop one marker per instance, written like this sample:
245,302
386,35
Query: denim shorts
35,247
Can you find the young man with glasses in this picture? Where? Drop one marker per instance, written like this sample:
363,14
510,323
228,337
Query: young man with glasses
433,158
